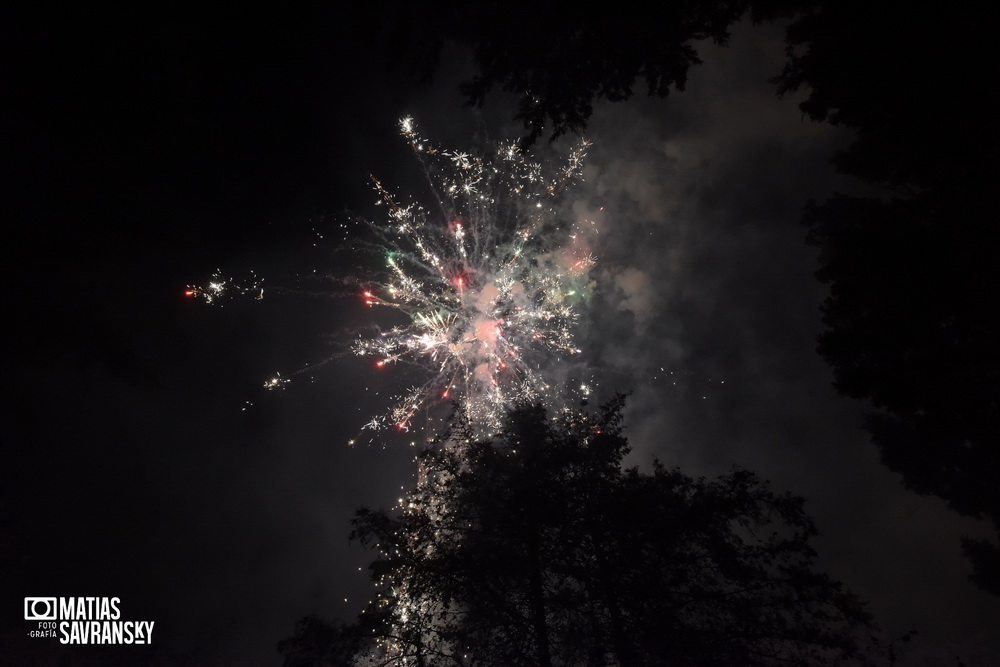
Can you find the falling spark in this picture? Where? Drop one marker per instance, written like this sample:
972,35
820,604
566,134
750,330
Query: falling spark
277,382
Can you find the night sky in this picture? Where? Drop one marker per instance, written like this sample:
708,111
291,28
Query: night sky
141,458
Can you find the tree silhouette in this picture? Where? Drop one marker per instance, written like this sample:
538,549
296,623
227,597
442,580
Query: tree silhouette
912,317
537,548
558,58
319,644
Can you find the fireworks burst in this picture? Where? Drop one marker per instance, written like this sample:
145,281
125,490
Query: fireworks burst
485,286
489,285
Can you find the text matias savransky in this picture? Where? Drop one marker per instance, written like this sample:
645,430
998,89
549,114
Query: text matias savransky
85,620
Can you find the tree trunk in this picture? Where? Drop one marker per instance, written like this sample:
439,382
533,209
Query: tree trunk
536,599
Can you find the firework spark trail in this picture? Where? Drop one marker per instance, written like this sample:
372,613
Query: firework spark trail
488,285
220,287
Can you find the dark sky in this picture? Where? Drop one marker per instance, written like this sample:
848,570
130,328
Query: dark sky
146,148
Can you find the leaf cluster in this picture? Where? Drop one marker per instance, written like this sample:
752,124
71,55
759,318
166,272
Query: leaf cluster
557,59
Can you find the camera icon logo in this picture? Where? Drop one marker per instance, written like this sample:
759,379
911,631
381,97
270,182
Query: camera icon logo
40,609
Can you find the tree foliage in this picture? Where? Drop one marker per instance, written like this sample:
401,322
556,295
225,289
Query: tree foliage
557,59
317,643
537,548
912,317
